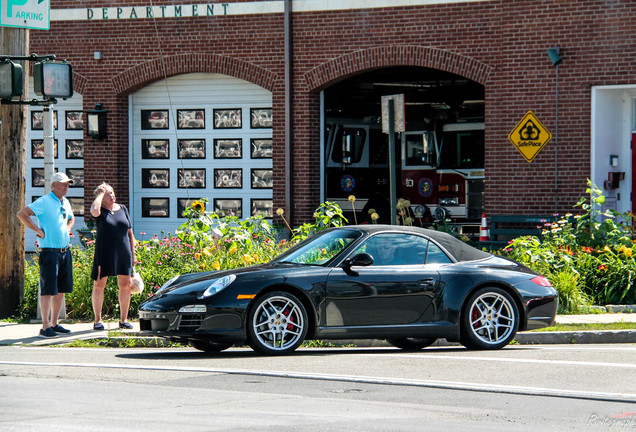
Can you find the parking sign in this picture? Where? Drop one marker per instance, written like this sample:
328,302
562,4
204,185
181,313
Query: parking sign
32,14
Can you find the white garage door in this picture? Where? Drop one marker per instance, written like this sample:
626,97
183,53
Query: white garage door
197,136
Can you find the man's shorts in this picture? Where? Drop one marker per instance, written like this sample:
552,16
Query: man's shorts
56,271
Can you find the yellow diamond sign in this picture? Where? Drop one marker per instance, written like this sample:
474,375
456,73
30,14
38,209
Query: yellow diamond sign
529,136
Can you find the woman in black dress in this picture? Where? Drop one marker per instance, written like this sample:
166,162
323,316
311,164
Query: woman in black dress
114,253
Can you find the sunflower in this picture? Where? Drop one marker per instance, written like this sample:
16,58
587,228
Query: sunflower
198,206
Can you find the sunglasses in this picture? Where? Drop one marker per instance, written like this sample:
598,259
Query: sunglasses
63,213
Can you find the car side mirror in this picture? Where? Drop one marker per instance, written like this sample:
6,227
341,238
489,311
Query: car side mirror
361,259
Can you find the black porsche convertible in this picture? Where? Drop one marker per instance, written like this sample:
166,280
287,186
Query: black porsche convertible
407,285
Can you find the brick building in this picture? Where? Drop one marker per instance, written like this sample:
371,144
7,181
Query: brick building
198,106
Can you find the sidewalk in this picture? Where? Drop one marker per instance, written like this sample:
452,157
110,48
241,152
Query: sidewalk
28,334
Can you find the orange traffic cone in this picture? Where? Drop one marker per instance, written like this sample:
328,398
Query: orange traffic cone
484,234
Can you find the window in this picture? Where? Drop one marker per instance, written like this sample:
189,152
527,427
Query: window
435,255
395,249
349,143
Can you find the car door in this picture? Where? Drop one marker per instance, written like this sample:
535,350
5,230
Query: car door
392,291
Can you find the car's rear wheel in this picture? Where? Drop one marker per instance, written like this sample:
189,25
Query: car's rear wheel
210,346
277,324
411,344
490,320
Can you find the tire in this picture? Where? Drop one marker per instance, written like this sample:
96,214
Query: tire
210,346
276,324
490,319
412,344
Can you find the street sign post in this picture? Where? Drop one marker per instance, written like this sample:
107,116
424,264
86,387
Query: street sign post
31,14
392,122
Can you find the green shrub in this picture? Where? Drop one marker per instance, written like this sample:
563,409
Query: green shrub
587,257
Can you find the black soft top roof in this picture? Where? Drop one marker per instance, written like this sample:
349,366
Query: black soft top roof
460,250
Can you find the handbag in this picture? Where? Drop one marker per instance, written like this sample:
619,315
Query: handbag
137,283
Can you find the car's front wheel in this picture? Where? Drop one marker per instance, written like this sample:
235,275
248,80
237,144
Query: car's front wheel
277,324
490,320
411,344
210,346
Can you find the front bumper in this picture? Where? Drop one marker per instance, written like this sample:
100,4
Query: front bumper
219,326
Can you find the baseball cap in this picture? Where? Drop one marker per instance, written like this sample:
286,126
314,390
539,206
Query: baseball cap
60,177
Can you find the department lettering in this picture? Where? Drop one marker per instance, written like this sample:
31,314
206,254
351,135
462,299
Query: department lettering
138,12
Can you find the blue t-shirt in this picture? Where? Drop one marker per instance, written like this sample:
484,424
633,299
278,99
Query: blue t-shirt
52,218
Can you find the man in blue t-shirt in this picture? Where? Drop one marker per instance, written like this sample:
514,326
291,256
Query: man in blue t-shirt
55,221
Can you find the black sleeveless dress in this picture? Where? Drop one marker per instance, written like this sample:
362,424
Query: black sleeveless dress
112,244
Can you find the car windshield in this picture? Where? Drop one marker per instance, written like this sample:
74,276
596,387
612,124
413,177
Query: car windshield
321,248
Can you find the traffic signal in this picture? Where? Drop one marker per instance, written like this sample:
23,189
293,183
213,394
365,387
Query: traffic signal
10,79
53,79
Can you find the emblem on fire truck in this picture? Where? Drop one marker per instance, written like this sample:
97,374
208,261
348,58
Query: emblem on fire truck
347,183
529,136
425,187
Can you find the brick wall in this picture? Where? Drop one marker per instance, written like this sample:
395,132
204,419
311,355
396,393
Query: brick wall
500,44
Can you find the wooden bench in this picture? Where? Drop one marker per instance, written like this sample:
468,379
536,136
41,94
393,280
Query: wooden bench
504,228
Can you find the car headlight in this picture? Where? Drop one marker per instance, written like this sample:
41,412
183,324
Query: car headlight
217,286
167,285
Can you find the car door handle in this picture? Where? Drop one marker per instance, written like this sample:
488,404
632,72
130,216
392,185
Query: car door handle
427,282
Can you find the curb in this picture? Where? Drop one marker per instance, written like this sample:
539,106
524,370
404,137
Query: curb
580,337
523,338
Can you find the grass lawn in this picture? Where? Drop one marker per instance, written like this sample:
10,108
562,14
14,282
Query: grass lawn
591,326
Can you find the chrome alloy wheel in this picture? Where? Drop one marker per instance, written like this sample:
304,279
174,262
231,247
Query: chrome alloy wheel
279,324
492,318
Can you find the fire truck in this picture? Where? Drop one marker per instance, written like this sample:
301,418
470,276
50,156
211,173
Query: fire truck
441,173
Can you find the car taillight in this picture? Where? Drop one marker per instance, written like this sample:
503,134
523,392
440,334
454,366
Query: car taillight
542,281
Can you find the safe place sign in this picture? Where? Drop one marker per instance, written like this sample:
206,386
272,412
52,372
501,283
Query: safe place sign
529,136
32,14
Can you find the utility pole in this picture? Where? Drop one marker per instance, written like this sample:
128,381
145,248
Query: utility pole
13,41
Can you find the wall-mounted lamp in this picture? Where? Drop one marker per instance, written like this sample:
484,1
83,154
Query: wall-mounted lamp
555,57
98,55
614,160
96,122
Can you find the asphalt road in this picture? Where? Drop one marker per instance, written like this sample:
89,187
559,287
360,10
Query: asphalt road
555,388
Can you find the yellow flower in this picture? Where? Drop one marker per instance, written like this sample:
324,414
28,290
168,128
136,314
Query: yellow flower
202,266
197,255
606,249
247,258
233,249
280,212
198,206
216,266
351,198
207,252
375,216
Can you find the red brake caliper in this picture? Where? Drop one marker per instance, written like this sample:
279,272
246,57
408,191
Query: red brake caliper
290,319
474,317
